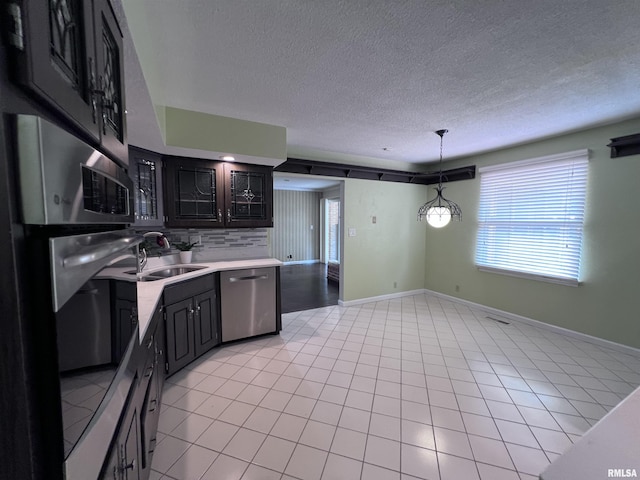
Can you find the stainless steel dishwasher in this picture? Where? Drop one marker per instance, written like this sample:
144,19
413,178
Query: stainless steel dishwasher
248,302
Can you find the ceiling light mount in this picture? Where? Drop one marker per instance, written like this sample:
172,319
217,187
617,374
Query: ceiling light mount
439,211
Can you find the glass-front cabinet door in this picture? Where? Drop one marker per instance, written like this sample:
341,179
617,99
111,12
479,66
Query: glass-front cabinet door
249,195
194,193
70,54
109,79
145,169
54,48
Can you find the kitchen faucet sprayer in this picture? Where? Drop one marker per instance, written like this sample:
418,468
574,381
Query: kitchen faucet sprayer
161,240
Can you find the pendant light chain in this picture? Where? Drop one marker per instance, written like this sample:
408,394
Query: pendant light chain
441,134
439,211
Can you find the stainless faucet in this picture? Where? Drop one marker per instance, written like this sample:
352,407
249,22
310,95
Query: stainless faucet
161,240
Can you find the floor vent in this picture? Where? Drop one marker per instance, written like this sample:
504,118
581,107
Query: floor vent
498,320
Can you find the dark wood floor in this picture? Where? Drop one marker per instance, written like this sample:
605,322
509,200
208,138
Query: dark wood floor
306,286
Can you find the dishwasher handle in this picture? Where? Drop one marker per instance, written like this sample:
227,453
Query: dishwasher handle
248,277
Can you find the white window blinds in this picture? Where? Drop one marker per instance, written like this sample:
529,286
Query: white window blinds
531,217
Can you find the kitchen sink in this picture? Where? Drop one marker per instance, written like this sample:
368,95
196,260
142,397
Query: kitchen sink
165,273
173,271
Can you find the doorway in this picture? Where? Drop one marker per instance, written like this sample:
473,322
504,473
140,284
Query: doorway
306,240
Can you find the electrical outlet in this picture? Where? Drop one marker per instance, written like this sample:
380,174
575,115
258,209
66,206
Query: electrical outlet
457,288
374,219
395,284
352,232
197,239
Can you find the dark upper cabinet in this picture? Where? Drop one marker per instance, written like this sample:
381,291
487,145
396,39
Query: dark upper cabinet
193,193
209,194
145,169
69,53
109,79
248,195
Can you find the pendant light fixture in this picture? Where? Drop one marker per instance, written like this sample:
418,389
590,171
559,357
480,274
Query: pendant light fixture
439,211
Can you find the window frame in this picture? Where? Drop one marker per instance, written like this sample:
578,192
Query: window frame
515,228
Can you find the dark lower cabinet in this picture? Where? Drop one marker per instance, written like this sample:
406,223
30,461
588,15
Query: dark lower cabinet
123,459
192,321
130,446
180,335
151,388
131,451
205,322
126,315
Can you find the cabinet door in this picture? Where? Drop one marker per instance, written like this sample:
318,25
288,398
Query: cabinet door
57,56
179,335
248,195
131,447
110,79
160,360
206,324
149,415
126,321
153,375
145,169
123,459
111,469
193,193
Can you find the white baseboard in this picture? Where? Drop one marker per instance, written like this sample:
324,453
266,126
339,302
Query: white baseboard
301,262
380,298
537,323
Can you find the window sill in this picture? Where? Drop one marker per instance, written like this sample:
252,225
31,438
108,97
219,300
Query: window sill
569,282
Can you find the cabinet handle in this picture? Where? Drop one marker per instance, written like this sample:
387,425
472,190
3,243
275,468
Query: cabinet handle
219,215
104,106
92,90
228,215
131,466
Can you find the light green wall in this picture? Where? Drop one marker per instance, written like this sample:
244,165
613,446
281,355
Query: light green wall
161,118
203,131
607,304
392,249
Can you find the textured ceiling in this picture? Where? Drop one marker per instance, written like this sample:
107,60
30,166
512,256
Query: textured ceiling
351,77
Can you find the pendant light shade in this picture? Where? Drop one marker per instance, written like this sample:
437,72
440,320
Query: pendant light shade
440,211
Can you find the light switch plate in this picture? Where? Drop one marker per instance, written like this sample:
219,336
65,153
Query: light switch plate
352,232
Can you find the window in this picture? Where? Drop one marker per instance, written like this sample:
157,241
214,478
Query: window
531,217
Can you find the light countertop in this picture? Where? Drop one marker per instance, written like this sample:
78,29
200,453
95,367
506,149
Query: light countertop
611,448
149,293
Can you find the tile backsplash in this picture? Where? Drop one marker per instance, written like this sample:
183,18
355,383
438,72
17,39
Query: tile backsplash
222,244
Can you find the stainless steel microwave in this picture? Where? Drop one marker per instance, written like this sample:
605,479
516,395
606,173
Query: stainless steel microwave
64,181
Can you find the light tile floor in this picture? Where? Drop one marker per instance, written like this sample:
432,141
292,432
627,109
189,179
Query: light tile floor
417,387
